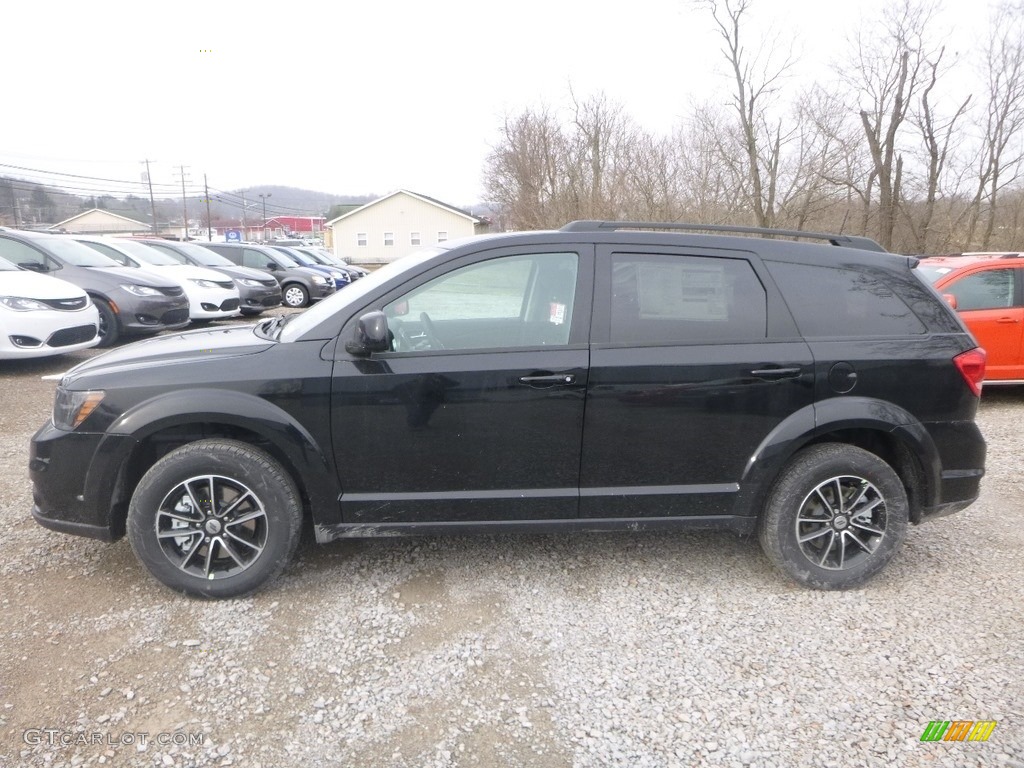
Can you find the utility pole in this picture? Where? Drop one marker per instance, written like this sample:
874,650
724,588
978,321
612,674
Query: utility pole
184,204
152,202
264,199
209,221
245,232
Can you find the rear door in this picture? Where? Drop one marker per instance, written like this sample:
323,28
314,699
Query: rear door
476,413
687,378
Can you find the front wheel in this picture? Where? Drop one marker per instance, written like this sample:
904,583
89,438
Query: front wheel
295,296
835,517
109,330
215,518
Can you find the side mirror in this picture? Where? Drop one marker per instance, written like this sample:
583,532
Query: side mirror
272,266
371,335
35,266
950,299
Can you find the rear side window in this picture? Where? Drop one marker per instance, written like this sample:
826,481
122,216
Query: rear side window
659,299
831,301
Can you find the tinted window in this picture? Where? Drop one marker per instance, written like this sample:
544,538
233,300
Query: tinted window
517,301
685,300
991,289
830,301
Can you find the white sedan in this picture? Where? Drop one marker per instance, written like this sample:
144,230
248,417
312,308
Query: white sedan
41,315
211,295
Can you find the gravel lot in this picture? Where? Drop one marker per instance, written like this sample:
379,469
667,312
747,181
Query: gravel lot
583,650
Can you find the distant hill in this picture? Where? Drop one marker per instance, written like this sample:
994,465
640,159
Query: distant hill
27,203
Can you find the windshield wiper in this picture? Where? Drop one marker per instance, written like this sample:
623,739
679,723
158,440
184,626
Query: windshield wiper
271,328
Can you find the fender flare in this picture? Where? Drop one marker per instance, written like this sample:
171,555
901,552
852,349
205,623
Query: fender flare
314,474
832,415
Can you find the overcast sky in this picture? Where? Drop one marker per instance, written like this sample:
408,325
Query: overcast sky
357,98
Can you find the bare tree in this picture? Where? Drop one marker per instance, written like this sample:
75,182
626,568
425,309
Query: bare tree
756,79
937,136
999,162
525,172
886,72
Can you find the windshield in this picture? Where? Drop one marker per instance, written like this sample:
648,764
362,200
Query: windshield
314,256
204,256
74,253
146,254
301,258
299,324
283,258
933,273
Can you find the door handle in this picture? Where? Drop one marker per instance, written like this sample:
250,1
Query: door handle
551,378
775,373
1007,320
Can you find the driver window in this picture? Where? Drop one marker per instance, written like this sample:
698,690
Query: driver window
514,301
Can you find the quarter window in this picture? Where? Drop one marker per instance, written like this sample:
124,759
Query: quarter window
515,301
661,299
835,302
991,289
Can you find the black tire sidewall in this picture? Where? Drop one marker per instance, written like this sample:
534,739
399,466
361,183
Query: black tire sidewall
805,472
236,460
107,316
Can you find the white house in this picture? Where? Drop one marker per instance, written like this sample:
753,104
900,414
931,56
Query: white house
397,224
100,222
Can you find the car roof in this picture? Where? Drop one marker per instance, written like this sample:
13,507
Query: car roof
962,260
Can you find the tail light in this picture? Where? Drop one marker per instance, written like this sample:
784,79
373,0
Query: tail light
971,365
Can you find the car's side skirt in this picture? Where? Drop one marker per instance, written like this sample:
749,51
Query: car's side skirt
734,523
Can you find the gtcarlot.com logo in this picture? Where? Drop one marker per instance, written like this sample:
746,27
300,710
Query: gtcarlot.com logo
56,737
958,730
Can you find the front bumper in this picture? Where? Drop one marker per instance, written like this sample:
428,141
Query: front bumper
257,299
77,481
153,314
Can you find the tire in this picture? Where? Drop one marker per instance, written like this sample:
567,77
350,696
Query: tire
823,545
226,552
295,296
109,331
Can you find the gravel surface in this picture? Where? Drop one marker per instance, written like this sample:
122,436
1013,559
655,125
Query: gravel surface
583,650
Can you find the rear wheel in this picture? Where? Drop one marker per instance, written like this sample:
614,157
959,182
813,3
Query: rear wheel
836,517
295,295
109,329
215,518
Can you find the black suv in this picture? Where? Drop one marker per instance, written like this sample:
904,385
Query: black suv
608,376
300,285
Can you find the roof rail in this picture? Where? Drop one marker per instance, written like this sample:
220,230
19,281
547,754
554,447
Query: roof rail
847,241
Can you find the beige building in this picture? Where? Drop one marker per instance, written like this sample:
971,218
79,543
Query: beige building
396,225
100,222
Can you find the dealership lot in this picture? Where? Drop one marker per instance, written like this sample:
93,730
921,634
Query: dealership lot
587,650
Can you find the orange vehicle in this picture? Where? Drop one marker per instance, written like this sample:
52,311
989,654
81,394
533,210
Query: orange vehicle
987,290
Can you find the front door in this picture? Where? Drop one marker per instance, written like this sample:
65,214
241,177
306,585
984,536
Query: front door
986,300
476,412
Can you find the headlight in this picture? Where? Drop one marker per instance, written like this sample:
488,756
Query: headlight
318,280
71,408
246,281
204,283
20,304
140,290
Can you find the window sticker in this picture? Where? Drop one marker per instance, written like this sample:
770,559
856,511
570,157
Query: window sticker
672,291
557,313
